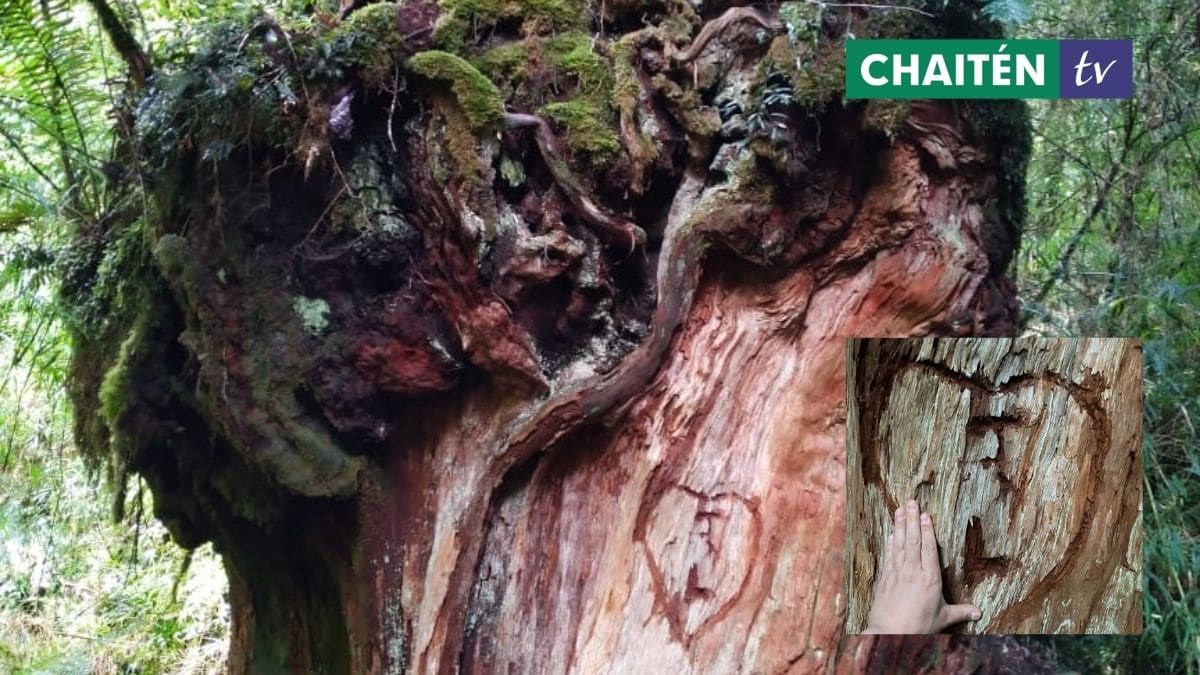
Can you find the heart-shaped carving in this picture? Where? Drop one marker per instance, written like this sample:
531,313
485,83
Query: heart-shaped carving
1001,426
699,548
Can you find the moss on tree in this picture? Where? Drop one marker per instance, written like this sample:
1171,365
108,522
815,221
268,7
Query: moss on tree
369,40
475,93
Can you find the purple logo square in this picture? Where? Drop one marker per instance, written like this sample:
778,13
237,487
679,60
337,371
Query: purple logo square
1095,68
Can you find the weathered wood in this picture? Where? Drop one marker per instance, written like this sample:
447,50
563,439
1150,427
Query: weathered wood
439,422
1026,451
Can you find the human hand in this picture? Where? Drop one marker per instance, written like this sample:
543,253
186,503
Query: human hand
908,593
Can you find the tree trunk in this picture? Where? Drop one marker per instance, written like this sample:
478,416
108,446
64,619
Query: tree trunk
1028,454
517,344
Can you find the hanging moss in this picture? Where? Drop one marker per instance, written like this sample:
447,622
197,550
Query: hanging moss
478,97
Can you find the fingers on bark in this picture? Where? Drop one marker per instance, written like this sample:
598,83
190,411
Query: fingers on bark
952,614
912,533
929,554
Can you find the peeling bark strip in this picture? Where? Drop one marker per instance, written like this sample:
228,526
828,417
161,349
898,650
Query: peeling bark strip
1027,452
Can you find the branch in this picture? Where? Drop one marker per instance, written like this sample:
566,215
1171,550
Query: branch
123,41
1101,200
865,5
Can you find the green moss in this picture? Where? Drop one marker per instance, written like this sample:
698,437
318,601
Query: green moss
118,352
506,62
117,392
801,20
458,140
626,86
570,59
477,95
463,20
587,126
817,71
573,53
886,116
368,40
588,115
586,109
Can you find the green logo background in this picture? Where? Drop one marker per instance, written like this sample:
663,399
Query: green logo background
858,50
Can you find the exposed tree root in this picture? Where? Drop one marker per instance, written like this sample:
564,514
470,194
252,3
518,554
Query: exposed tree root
612,229
589,399
716,26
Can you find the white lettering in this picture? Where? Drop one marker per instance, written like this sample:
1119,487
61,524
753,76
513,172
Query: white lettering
1001,69
1080,80
936,72
978,60
899,70
866,70
1036,70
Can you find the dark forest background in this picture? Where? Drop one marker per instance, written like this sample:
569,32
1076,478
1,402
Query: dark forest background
1111,248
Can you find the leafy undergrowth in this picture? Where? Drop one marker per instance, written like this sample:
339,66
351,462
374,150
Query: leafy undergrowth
1111,248
74,599
78,592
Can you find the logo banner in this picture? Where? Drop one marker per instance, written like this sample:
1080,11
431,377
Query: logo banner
910,69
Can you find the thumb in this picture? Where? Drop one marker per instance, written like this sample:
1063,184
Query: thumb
952,614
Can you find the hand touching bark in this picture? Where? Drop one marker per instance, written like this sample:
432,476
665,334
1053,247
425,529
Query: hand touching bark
908,593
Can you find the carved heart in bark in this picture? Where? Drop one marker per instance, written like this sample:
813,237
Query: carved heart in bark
699,548
1011,468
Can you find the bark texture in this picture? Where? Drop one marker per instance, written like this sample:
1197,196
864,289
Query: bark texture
1027,452
509,336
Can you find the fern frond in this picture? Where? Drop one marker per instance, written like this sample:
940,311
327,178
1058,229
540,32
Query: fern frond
51,106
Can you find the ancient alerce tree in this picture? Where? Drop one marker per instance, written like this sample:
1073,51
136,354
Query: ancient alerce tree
1028,453
509,335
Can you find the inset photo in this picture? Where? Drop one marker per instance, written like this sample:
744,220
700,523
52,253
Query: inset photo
994,485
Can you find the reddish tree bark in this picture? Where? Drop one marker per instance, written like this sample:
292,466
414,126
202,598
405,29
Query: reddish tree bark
452,389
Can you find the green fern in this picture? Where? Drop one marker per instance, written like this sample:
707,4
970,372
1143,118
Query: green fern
50,105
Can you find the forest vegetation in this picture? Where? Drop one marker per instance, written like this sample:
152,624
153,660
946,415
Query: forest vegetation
92,581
